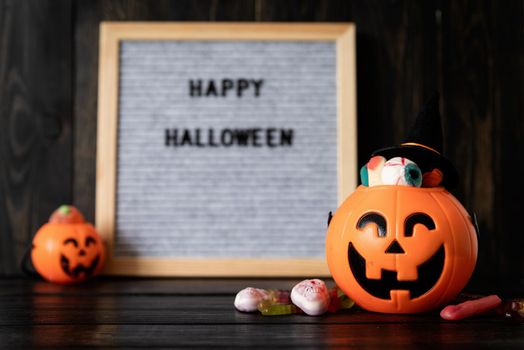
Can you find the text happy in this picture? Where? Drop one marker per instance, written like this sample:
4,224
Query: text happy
225,87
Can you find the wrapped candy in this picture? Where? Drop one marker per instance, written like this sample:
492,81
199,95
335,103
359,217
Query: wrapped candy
401,171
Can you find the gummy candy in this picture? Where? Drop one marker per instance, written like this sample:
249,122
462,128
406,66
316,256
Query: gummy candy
334,300
269,308
345,301
470,308
339,300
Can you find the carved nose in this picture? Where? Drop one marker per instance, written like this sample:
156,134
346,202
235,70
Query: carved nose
395,248
82,252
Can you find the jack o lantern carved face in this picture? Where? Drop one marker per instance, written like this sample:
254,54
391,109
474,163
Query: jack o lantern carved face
80,256
401,249
67,249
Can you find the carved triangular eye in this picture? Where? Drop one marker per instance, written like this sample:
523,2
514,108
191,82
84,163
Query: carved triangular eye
373,218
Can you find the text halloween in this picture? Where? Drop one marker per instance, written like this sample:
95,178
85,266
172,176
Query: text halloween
255,137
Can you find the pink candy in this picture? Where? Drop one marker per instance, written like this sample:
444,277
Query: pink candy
247,299
311,296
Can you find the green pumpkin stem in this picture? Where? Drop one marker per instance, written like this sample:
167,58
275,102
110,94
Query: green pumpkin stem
65,209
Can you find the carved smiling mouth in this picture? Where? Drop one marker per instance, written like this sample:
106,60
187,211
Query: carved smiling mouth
428,274
79,269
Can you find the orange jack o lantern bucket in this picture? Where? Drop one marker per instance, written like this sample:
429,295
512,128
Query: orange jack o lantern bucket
394,246
401,249
67,249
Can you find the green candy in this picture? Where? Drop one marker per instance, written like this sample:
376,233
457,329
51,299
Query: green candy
364,175
267,308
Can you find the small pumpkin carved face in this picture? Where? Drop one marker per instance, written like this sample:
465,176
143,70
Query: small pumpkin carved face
67,249
399,249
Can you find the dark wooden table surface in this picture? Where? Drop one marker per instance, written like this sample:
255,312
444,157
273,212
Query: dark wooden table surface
164,313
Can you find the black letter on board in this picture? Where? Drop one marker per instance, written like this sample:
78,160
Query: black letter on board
186,138
198,141
270,137
226,137
286,137
227,84
171,137
195,88
211,89
242,84
258,86
256,135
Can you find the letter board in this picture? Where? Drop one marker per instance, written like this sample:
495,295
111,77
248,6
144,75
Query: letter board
223,147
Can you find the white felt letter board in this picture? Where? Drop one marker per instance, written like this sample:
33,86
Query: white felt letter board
223,147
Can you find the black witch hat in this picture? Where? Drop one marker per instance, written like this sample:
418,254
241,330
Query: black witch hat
423,145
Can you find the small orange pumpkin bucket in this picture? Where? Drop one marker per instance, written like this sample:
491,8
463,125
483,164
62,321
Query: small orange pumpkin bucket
67,249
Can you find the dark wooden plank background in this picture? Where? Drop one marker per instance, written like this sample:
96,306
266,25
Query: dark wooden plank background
472,51
164,313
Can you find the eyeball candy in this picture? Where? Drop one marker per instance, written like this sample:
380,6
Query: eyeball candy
401,171
311,296
374,169
470,308
247,299
370,173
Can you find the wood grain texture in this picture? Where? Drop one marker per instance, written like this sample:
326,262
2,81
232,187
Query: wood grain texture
483,84
35,120
471,51
155,313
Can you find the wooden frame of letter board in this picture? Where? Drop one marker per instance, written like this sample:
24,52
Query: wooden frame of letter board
111,33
